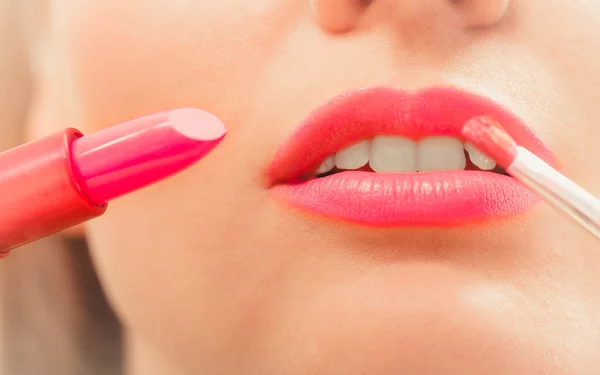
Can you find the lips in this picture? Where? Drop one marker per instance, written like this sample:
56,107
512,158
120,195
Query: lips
439,198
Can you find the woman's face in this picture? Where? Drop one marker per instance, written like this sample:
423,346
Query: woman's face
211,274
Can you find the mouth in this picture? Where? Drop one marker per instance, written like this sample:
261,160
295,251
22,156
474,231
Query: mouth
383,157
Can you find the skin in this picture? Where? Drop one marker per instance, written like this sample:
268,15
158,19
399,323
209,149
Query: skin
209,275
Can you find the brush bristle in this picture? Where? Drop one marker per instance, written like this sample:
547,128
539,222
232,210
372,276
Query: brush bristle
487,135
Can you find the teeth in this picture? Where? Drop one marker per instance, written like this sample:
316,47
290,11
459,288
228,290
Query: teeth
393,155
478,158
327,165
440,154
353,157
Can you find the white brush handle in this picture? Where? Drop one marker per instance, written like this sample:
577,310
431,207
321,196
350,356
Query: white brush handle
557,190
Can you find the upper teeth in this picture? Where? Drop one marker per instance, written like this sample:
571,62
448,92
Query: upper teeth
353,157
440,153
394,154
327,165
479,158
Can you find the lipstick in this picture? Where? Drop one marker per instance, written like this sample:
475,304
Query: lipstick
67,178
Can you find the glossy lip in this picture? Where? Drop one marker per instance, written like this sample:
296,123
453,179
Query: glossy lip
388,200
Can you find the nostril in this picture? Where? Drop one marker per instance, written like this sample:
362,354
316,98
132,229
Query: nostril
483,13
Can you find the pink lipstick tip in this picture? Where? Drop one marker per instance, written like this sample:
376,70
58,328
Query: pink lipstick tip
489,137
121,159
197,124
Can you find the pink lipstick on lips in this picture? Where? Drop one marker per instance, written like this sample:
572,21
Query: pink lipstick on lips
66,179
435,198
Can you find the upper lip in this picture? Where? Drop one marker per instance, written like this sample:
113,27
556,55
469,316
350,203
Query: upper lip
369,112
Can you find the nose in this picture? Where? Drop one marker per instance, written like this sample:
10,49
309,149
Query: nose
344,15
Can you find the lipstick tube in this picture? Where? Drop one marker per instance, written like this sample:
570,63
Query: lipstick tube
66,179
40,193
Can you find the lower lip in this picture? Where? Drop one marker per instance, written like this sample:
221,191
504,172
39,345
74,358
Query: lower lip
422,199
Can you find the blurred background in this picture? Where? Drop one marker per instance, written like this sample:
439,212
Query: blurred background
15,71
53,317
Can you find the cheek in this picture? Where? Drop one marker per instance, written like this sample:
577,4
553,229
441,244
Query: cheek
181,274
154,55
570,49
154,263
